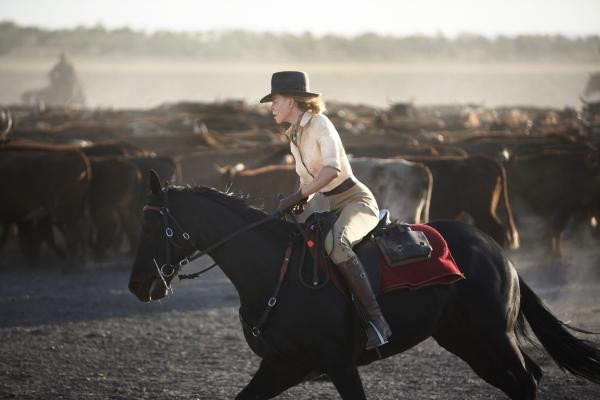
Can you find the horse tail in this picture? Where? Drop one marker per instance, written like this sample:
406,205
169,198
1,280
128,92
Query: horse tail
514,233
580,357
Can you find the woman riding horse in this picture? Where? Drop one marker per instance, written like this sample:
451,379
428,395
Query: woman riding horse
481,318
322,165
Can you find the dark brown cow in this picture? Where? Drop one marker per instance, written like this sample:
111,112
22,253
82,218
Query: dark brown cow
113,183
45,183
118,195
556,186
471,186
503,147
31,234
114,201
34,232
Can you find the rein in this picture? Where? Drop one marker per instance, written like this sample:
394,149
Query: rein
164,211
314,285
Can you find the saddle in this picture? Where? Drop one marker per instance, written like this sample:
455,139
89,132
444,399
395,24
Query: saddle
392,244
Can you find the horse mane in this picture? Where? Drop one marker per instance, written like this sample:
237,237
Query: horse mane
239,202
236,202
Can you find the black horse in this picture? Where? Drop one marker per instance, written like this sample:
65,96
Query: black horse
310,332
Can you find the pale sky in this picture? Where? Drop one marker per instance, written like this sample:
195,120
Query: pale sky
395,17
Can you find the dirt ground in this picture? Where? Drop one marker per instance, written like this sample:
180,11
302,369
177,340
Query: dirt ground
84,336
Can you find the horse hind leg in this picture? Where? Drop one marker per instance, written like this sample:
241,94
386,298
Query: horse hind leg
532,367
499,361
270,380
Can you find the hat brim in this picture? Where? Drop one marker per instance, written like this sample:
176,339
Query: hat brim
268,98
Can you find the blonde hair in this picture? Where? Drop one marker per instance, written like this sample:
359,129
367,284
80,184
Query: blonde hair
313,104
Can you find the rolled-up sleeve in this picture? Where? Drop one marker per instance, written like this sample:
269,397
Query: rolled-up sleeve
328,139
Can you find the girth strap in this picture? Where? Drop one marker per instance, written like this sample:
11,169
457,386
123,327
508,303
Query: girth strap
256,329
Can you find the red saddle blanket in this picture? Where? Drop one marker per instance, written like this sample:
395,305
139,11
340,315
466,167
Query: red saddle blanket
440,268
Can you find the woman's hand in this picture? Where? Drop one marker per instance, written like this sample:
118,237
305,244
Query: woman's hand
291,201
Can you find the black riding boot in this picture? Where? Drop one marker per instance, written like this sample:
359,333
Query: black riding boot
356,277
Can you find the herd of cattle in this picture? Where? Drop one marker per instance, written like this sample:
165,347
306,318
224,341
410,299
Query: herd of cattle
76,180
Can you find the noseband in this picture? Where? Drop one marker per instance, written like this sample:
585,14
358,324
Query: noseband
167,270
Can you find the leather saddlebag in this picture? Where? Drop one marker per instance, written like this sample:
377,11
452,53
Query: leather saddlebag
401,245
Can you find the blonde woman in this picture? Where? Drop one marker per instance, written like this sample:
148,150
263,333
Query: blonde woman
322,165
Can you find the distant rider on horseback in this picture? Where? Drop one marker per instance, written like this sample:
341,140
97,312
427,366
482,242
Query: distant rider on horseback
322,165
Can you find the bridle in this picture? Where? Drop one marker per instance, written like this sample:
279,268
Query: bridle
168,270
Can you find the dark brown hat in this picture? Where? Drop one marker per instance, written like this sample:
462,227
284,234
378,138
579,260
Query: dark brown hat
289,82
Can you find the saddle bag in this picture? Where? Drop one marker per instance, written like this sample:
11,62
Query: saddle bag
400,245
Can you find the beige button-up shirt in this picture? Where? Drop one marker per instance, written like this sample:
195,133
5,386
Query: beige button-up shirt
319,145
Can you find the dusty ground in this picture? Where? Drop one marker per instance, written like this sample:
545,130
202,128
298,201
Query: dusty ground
84,336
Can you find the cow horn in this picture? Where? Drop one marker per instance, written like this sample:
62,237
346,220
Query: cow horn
222,170
239,167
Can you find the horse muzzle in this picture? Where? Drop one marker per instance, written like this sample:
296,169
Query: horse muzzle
153,289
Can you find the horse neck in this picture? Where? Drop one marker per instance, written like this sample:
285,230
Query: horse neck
251,260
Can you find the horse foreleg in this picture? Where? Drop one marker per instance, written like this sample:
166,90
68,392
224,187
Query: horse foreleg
347,382
270,380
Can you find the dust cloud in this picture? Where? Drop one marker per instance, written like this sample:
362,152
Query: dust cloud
568,282
143,83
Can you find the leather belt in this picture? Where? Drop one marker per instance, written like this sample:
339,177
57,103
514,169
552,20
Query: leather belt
342,187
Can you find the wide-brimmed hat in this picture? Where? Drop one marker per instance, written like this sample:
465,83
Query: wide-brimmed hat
289,82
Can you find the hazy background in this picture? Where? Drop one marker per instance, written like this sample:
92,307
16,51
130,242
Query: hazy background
139,54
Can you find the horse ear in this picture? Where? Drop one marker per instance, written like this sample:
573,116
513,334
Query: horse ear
155,183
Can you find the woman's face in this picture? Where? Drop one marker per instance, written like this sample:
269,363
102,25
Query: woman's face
281,108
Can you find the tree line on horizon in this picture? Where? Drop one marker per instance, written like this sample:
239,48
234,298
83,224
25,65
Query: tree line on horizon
232,45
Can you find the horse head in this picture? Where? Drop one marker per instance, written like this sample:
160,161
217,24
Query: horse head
217,223
159,251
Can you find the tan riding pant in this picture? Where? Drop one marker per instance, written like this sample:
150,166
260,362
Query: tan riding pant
359,215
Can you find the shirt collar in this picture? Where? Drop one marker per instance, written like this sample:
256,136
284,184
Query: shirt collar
305,118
